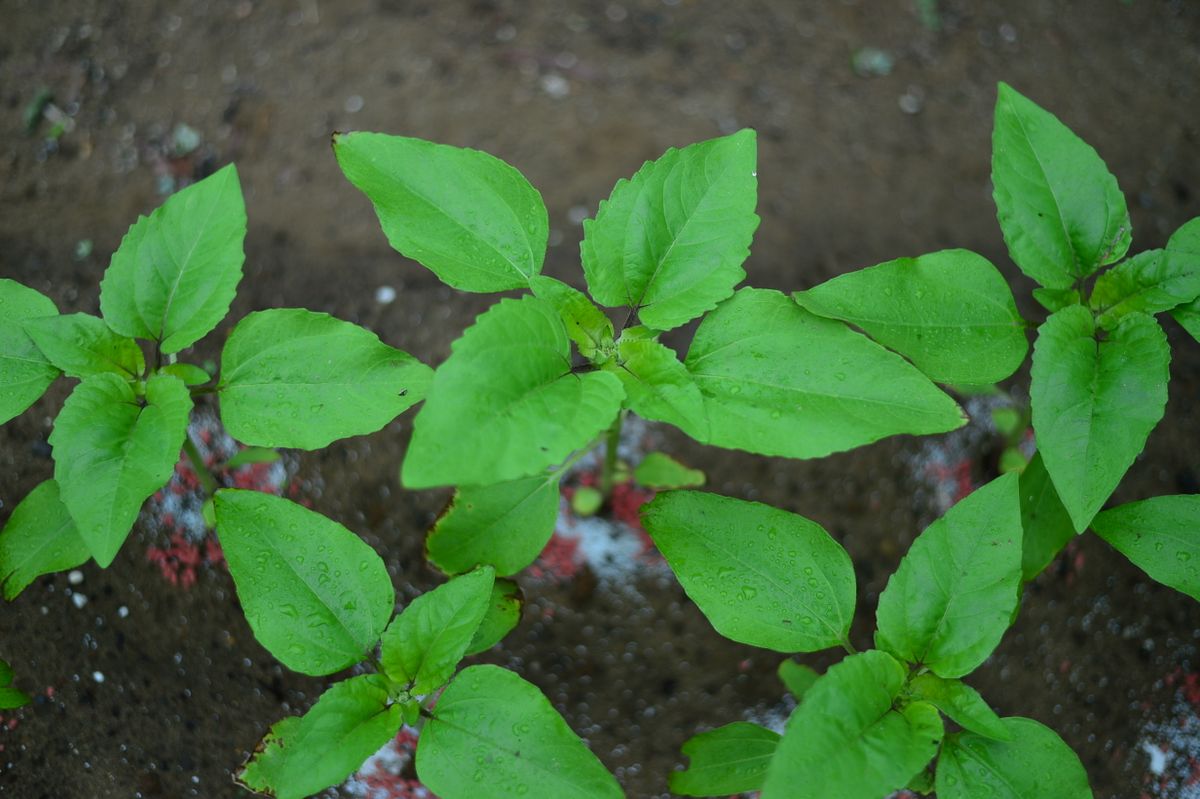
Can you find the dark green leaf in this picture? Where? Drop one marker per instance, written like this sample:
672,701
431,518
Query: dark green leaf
38,538
10,697
727,760
1035,763
1047,525
25,373
1056,299
503,613
797,678
1150,282
82,345
1161,536
658,470
960,702
1188,316
658,386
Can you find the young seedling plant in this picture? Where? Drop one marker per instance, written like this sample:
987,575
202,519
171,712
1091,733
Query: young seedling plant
540,379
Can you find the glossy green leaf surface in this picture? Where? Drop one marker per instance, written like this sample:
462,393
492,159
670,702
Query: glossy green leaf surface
314,593
424,643
951,313
39,538
1035,763
25,373
467,216
953,596
762,576
303,755
659,470
1061,211
506,404
846,739
728,760
1095,402
671,240
961,703
586,324
502,615
495,736
81,345
779,380
797,678
295,378
1161,536
658,386
177,270
1150,282
111,452
1046,524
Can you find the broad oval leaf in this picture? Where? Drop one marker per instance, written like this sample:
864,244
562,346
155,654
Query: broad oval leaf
1061,211
1046,525
506,403
504,525
1161,536
39,538
728,760
951,313
25,373
846,739
424,644
502,615
658,386
779,380
314,593
961,703
761,575
295,378
111,452
1150,282
467,216
177,270
1034,763
952,598
303,755
1095,402
81,345
495,736
670,241
586,324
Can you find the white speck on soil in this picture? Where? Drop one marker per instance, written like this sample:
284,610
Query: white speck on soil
98,676
79,599
75,577
1172,747
385,295
123,612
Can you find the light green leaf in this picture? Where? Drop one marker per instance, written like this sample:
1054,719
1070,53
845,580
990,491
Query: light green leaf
81,345
314,593
25,373
761,575
727,760
658,386
778,380
1061,211
586,324
303,755
252,455
424,644
111,452
670,242
847,739
1095,402
294,378
1034,764
1046,524
495,736
797,678
506,403
1161,536
502,615
658,470
190,374
1056,299
38,538
504,525
960,702
10,697
951,313
1150,282
467,216
953,596
177,270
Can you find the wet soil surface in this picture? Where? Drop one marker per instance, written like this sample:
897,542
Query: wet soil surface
155,689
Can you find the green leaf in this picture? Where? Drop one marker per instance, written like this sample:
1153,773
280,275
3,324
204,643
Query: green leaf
303,755
953,596
506,404
1061,211
252,455
727,760
190,374
495,736
1184,245
1046,524
960,702
847,739
761,575
111,452
797,678
1056,299
658,386
1095,402
467,216
1035,763
314,593
504,525
951,313
778,380
586,324
82,345
38,538
10,697
658,470
1161,536
1188,316
25,373
1150,282
294,378
503,613
177,270
670,242
424,644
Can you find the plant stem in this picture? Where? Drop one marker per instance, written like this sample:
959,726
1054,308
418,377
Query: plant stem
611,442
849,647
207,481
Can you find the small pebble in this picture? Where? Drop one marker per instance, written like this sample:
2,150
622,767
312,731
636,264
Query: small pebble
123,612
385,295
75,577
354,104
79,599
98,676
